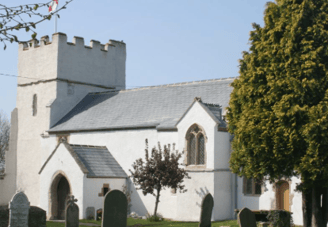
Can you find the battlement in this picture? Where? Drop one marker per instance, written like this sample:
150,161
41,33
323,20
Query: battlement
99,64
77,41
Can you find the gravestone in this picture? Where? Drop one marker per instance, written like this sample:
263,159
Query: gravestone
18,210
206,211
90,213
246,218
115,209
37,217
72,213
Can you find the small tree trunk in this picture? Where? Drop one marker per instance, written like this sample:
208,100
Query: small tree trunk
157,201
307,208
324,206
316,207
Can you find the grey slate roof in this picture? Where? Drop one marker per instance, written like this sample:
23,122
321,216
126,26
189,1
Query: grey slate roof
159,106
98,161
95,161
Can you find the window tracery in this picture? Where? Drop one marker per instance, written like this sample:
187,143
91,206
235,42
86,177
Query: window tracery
196,145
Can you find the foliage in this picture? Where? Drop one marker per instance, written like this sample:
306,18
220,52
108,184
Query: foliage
279,218
128,196
23,17
164,223
154,218
279,106
4,136
159,170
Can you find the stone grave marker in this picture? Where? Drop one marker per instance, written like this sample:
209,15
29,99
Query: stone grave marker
246,218
72,213
90,213
115,209
18,210
206,211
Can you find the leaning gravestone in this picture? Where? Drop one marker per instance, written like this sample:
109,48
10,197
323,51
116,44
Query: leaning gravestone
246,218
115,209
18,210
206,211
72,213
90,213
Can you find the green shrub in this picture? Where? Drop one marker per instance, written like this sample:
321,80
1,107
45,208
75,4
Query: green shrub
154,218
279,218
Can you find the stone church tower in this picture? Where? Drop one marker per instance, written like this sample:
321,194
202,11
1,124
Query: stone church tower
53,77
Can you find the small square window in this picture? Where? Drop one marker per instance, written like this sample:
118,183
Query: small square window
252,186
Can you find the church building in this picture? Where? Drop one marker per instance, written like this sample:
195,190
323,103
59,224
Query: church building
77,130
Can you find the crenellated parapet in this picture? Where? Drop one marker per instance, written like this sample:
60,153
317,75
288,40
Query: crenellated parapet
77,41
55,58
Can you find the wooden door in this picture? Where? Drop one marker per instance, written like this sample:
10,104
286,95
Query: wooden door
283,195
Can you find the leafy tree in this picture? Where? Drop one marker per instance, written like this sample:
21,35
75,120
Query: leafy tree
279,105
160,170
4,137
23,17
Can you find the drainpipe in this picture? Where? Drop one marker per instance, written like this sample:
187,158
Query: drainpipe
236,193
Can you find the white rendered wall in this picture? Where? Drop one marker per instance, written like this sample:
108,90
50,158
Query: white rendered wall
68,95
296,200
222,150
216,177
8,184
62,161
223,192
93,186
198,115
267,199
127,146
29,150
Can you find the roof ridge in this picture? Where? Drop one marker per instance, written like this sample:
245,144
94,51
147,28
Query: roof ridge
212,105
166,85
81,145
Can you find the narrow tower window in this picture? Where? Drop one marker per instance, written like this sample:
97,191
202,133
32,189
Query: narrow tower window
34,105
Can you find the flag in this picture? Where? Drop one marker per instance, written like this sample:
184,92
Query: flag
53,6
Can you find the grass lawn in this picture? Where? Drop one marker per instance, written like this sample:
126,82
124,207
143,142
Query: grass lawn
140,223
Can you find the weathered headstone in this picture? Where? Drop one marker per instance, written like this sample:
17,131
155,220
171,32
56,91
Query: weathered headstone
246,218
115,209
18,210
90,213
206,211
72,213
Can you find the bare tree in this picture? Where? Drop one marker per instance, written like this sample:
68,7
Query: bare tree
24,17
4,136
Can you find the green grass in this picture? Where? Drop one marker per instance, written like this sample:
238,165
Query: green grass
141,222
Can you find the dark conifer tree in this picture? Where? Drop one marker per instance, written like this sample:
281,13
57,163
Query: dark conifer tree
279,106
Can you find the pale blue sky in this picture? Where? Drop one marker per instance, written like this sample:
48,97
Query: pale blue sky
168,41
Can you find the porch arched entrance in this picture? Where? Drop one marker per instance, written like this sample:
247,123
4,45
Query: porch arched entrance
282,195
59,192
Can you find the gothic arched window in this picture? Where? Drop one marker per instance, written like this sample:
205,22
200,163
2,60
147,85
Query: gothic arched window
195,145
34,105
